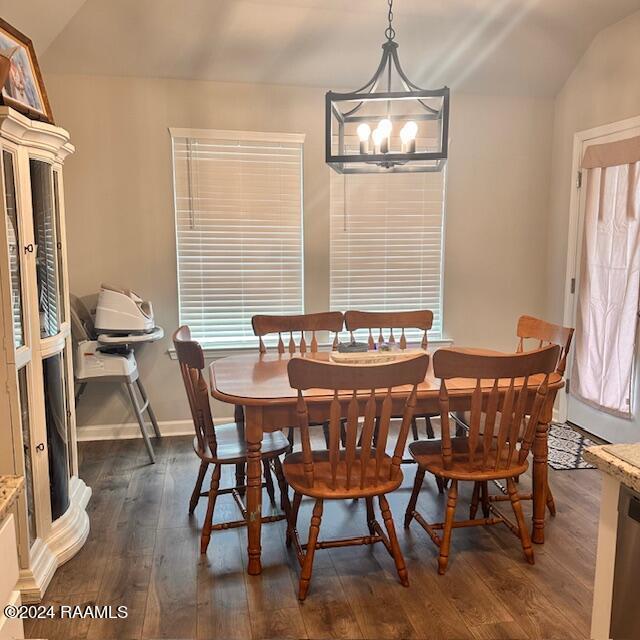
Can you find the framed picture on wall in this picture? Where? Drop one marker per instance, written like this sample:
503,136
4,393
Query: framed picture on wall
23,88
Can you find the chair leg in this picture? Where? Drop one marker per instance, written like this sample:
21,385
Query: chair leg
208,520
307,565
268,480
195,496
475,500
152,416
140,418
484,498
285,505
525,539
440,484
371,516
292,521
396,553
411,507
430,433
551,503
290,437
445,545
414,428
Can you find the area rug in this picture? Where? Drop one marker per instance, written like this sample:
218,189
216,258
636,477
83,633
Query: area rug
566,446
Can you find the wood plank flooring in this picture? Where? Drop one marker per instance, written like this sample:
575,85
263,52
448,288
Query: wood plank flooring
143,552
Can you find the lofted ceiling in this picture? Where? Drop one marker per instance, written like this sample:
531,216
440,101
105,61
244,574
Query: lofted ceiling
520,47
41,20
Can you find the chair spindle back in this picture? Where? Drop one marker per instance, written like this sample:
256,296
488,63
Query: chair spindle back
331,321
545,333
376,321
191,359
358,463
506,406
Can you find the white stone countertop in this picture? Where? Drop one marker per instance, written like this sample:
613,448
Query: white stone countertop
622,461
10,488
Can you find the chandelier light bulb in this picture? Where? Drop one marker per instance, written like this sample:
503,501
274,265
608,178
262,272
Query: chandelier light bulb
408,137
411,128
364,131
385,127
380,141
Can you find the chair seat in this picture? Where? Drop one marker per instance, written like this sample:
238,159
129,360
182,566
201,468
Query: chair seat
428,454
294,474
232,447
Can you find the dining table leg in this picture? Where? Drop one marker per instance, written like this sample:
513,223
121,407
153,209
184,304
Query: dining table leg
540,472
253,436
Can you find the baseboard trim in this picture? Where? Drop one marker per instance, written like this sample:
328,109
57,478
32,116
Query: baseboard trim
131,430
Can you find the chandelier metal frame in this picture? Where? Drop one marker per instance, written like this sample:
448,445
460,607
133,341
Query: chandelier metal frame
391,161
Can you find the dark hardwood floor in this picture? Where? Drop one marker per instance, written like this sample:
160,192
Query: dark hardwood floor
143,552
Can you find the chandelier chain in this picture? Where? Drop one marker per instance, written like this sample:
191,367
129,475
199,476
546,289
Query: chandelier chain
390,31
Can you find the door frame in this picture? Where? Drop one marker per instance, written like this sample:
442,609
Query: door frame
579,139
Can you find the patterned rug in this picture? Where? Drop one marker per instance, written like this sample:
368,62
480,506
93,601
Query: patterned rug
566,446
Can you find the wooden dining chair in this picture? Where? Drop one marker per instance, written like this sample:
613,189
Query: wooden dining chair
502,427
534,333
544,333
359,469
300,336
222,444
376,323
303,327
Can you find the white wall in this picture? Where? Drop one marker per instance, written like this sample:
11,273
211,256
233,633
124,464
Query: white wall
120,211
604,87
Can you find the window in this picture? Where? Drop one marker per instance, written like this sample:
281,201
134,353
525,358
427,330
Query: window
387,243
238,204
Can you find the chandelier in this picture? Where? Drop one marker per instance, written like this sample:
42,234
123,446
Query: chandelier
401,129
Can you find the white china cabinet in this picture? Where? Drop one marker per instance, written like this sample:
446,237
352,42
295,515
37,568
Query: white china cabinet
37,430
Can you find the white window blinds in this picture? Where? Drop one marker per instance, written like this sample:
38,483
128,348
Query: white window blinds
387,243
238,202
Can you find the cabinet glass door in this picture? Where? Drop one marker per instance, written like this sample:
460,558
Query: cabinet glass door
44,231
57,419
15,248
56,205
69,388
26,443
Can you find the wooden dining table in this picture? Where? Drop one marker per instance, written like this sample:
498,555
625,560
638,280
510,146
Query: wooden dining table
259,383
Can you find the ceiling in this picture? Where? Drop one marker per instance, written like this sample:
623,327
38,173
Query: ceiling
519,47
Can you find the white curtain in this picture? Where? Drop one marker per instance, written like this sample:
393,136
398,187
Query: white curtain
610,278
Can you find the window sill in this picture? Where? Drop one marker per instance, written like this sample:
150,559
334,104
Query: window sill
215,353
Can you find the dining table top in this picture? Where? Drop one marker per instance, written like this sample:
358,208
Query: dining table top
262,379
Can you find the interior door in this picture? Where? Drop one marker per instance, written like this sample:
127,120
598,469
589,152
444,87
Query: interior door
602,424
